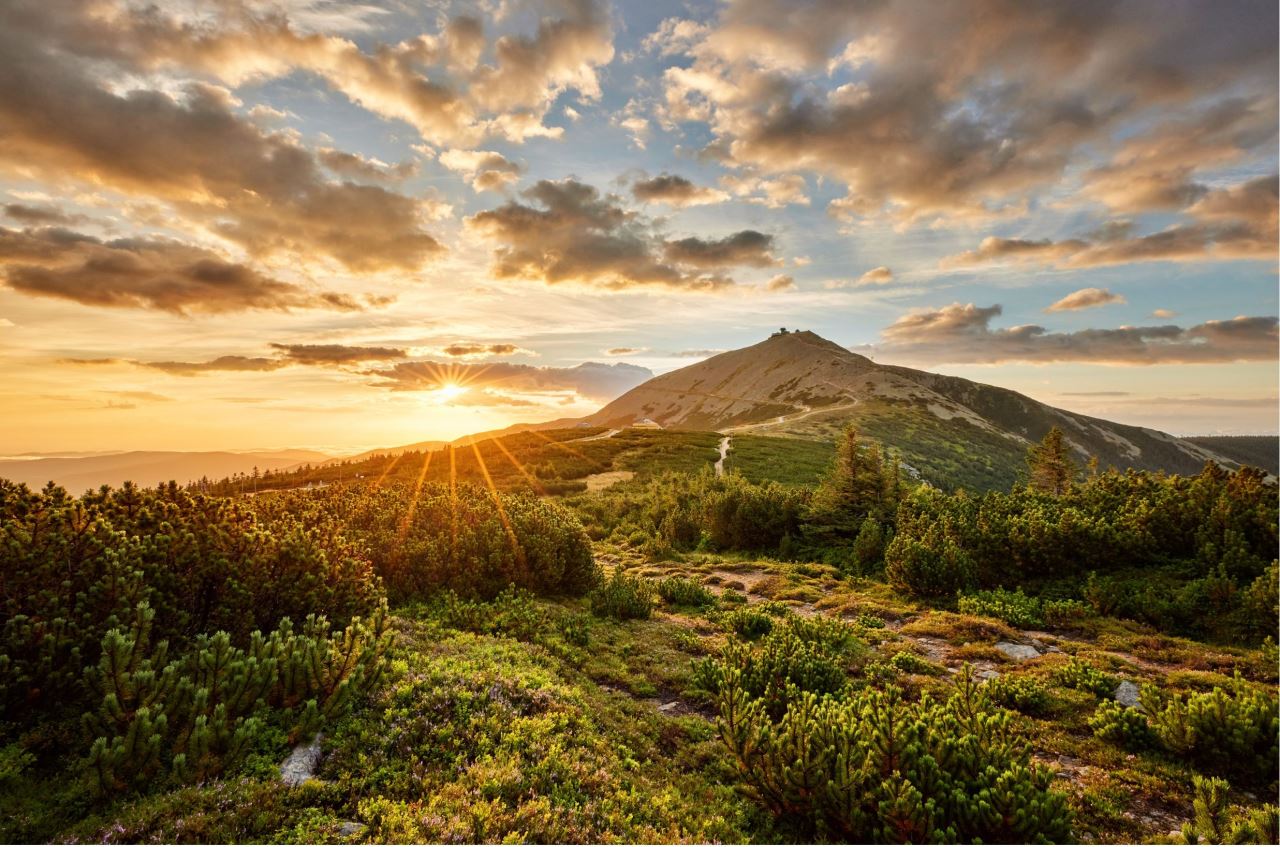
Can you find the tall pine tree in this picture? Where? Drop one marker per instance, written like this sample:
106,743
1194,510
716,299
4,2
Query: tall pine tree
1049,465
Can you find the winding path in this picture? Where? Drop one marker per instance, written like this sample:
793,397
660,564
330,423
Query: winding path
724,451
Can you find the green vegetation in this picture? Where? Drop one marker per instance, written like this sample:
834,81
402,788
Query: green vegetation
491,653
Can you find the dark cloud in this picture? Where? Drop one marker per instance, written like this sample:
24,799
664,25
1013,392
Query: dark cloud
1235,222
222,363
465,349
150,273
977,105
355,166
434,81
191,149
1085,298
625,351
746,248
591,379
962,334
675,191
336,354
574,234
39,215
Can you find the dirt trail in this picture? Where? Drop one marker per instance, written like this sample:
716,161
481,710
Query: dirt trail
724,451
805,412
610,434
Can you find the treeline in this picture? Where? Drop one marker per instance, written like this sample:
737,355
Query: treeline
1187,554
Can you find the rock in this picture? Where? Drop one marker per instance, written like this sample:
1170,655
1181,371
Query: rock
988,673
1019,652
669,707
1126,694
302,762
349,829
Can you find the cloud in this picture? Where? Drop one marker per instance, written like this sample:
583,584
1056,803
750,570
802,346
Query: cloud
145,273
473,349
1085,298
968,111
336,354
1164,314
434,81
774,193
355,166
876,276
625,351
39,215
781,282
675,191
748,247
961,334
188,147
592,380
697,354
569,232
1236,222
486,170
222,363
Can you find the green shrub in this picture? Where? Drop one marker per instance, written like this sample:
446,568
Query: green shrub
869,622
1012,607
1125,727
934,566
796,655
1231,731
873,767
1215,822
748,622
193,717
464,538
911,663
1061,614
74,569
623,596
678,591
732,597
1022,693
512,613
1083,676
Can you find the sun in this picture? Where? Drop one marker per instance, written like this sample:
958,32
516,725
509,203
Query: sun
450,391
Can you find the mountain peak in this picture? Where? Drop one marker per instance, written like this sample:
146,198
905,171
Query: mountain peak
796,383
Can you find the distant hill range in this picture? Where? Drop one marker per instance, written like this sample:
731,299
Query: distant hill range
952,431
78,473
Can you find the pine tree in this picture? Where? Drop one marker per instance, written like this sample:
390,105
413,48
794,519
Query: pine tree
1049,465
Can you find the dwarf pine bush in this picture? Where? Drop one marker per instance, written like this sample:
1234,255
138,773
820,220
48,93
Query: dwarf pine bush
1122,726
1232,731
872,767
1021,693
623,596
678,591
1082,676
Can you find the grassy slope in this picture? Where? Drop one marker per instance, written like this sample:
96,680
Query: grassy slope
534,736
1260,451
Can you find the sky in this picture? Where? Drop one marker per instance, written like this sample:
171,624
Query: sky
238,224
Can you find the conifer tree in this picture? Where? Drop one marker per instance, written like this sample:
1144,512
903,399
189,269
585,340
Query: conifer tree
1049,465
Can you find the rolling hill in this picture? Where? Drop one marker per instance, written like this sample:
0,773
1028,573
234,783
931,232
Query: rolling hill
952,431
147,467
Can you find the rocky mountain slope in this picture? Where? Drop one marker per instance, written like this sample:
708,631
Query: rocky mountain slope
951,430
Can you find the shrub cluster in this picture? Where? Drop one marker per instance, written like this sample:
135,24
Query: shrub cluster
74,569
1082,676
465,538
623,597
1122,726
1021,693
678,591
871,767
